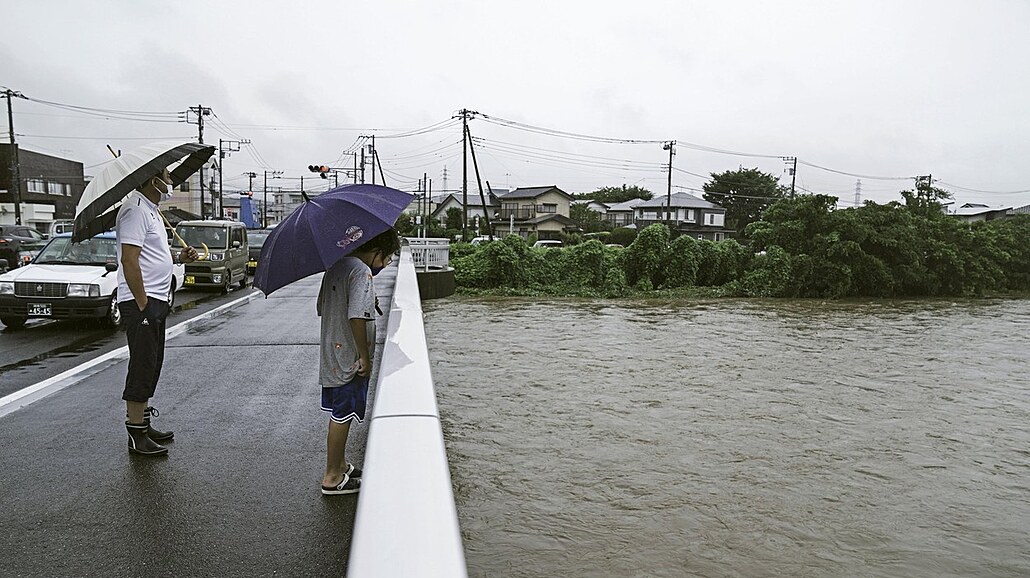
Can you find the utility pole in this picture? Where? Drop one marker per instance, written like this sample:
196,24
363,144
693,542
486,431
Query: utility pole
201,111
671,147
224,152
793,172
374,157
15,163
250,181
858,192
465,114
264,203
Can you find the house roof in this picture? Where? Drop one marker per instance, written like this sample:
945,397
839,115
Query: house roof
589,202
685,200
1024,210
971,209
625,205
532,192
551,217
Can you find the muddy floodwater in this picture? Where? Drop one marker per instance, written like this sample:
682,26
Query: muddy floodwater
737,438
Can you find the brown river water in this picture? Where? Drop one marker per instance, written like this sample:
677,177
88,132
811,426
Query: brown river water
737,438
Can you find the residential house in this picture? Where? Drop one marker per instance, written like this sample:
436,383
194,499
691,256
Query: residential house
540,211
973,212
685,215
477,213
621,214
596,206
50,188
1024,210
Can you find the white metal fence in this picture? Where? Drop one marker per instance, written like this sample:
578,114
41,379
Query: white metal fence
430,253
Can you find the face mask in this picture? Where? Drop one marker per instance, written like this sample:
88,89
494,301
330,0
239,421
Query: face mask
166,190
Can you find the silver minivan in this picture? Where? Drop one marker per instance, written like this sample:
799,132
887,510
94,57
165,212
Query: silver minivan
223,253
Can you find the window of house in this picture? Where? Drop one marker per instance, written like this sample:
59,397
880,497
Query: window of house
547,208
59,189
185,187
36,186
719,236
649,214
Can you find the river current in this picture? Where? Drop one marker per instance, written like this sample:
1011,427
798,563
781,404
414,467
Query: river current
737,438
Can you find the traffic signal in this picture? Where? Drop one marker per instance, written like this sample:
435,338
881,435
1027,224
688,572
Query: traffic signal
320,169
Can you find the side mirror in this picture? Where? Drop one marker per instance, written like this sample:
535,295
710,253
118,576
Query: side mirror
111,267
235,244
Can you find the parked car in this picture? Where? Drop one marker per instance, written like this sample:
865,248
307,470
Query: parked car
69,281
256,239
19,244
549,243
481,240
227,253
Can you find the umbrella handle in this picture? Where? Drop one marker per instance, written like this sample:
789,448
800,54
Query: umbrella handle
180,239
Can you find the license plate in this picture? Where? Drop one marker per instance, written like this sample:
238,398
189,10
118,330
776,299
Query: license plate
252,264
189,280
42,309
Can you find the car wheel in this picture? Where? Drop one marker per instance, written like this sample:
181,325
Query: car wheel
171,295
227,284
114,315
243,280
13,322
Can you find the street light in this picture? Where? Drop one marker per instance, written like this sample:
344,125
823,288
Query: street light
264,203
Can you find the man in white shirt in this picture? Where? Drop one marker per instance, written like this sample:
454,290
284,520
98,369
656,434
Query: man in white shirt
144,279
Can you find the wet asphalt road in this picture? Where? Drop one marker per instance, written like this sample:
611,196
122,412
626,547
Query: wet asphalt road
238,494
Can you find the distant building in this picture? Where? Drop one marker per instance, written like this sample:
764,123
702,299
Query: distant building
621,214
50,187
596,206
476,211
973,212
1024,210
685,215
540,211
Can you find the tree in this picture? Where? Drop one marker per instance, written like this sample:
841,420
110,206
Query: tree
454,215
926,199
745,194
612,195
588,219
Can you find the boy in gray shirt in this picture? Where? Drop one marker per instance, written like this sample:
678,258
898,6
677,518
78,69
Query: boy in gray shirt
346,302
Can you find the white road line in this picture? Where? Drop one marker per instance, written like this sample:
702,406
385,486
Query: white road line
23,397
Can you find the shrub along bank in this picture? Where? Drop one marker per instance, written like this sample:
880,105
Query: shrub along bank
802,247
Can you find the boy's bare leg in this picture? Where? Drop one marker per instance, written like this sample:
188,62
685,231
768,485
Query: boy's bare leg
335,458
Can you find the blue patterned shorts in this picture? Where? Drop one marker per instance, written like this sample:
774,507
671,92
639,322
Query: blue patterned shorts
346,402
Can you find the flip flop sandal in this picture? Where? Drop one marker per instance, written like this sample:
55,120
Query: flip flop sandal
348,485
353,471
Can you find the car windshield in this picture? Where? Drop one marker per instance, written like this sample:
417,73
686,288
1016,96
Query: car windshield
95,251
198,235
256,238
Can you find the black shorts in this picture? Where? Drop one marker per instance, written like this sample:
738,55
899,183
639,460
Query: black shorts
146,337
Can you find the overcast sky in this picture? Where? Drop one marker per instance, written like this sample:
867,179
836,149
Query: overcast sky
880,89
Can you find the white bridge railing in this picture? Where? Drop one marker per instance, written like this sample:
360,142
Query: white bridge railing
430,253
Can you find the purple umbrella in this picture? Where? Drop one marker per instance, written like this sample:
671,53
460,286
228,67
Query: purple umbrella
325,229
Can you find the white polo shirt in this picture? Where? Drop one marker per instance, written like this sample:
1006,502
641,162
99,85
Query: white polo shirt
140,224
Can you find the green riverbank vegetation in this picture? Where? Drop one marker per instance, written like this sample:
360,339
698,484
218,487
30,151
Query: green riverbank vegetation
800,247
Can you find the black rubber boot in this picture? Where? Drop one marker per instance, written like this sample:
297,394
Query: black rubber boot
156,435
140,442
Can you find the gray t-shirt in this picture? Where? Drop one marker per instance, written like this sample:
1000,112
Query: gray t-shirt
347,293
